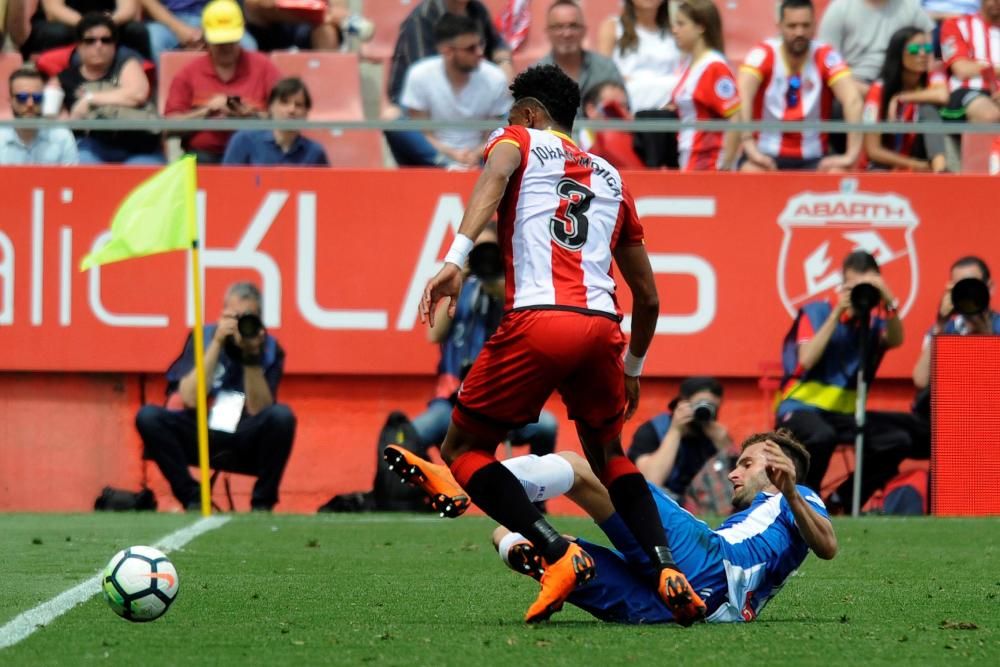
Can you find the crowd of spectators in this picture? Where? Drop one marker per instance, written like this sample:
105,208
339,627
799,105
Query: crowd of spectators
860,61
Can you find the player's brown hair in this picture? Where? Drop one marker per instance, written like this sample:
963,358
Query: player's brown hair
792,448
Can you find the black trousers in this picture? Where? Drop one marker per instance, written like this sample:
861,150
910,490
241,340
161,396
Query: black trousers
260,446
890,437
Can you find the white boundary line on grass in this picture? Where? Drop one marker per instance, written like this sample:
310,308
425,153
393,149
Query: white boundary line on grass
27,623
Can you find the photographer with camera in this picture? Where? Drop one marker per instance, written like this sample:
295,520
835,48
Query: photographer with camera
964,311
821,356
249,433
672,447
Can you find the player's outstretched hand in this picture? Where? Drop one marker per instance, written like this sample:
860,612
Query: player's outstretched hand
631,396
780,469
447,283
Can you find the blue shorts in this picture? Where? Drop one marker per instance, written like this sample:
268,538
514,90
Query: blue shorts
624,589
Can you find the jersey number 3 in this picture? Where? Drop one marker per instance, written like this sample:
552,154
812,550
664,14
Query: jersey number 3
569,225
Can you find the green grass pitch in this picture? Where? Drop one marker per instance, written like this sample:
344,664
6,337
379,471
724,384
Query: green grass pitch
408,590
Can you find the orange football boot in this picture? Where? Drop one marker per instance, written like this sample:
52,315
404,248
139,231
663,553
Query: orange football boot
559,579
685,605
523,558
444,493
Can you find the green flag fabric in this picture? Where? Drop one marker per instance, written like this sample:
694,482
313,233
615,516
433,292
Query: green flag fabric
157,216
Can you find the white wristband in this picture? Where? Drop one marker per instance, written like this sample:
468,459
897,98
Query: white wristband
633,364
459,251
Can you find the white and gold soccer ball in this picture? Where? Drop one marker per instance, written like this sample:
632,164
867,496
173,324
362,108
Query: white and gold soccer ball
140,583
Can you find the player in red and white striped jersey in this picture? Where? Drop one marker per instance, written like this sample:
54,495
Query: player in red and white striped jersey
795,78
706,89
971,49
563,215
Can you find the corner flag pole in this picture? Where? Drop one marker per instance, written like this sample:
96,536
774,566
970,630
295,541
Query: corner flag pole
199,350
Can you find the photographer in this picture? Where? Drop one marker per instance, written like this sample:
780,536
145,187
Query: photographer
477,315
821,355
249,432
672,447
975,318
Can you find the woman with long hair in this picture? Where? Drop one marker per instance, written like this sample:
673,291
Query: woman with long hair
706,89
641,45
908,90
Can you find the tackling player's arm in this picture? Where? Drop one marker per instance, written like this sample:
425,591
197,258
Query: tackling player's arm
503,161
816,530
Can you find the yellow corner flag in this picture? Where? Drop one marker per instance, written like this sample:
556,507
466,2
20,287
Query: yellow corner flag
157,216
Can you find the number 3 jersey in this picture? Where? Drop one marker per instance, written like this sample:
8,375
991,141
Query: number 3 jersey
562,216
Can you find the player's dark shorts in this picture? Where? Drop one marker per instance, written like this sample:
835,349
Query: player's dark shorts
624,589
536,352
959,100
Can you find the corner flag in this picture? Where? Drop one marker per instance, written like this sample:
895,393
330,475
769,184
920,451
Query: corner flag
155,217
159,216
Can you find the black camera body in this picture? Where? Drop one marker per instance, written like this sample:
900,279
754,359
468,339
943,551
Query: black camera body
970,296
486,261
249,325
704,411
865,297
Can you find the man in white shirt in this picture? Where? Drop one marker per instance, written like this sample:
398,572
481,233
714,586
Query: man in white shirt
455,85
50,145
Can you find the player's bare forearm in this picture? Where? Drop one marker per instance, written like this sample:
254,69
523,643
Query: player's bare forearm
816,530
489,189
633,262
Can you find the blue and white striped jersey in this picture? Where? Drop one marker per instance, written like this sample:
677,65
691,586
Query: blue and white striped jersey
761,548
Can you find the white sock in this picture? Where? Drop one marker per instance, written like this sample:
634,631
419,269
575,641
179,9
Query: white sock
542,477
506,542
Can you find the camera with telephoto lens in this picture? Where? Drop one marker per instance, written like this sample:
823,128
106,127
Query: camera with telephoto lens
864,297
970,296
249,325
704,411
486,262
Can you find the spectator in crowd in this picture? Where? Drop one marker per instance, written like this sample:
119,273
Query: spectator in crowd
54,23
48,145
566,28
417,39
461,338
706,89
860,31
177,24
672,447
608,100
109,83
249,431
971,49
289,100
640,44
455,85
821,355
276,28
941,10
792,78
226,82
951,322
907,91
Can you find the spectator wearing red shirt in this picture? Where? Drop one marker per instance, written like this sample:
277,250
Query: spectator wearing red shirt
970,46
227,82
907,90
608,100
795,78
706,89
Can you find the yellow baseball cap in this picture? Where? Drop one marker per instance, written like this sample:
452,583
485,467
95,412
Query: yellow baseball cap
222,21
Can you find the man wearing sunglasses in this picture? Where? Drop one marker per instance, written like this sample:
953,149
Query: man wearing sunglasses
457,84
49,145
796,78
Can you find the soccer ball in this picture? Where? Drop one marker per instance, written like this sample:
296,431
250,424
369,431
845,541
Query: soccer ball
140,584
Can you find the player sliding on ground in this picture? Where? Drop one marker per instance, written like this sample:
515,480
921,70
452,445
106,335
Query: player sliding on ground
563,214
736,568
